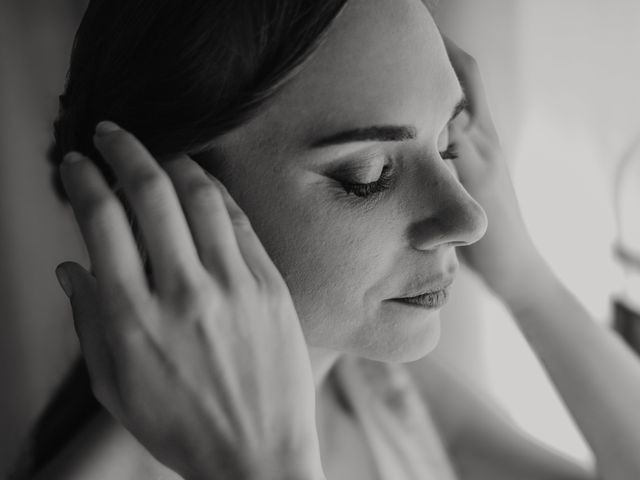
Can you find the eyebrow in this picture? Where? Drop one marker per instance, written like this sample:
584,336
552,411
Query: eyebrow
381,133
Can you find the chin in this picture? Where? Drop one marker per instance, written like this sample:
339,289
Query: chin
402,341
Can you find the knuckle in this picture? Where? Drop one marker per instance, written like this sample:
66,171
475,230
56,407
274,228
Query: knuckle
219,268
124,321
279,307
256,276
148,183
242,284
118,300
273,287
123,333
190,297
98,213
203,194
241,222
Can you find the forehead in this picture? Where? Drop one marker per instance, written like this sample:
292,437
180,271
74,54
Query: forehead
383,62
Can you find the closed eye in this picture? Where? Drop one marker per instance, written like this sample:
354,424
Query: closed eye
386,178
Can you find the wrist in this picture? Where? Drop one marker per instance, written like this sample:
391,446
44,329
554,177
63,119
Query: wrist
217,476
270,470
262,474
535,283
509,274
297,458
297,463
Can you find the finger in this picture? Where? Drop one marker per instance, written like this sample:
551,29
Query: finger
104,227
137,235
252,249
207,216
88,326
172,252
467,161
217,222
468,73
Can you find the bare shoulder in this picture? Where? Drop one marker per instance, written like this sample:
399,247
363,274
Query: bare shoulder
482,440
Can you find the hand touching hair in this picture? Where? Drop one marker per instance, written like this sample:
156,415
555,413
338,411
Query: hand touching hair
179,74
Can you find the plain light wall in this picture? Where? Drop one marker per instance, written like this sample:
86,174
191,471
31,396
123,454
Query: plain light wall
562,80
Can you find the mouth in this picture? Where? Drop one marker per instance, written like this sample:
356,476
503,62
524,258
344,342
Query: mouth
433,298
430,301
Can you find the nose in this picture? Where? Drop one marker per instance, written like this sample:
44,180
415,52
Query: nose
446,213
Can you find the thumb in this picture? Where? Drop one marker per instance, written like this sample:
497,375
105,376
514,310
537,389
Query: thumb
81,288
78,284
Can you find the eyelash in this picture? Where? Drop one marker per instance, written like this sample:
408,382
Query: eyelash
365,190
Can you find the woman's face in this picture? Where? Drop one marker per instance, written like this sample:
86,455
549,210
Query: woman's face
374,100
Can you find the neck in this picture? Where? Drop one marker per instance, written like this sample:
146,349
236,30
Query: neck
321,362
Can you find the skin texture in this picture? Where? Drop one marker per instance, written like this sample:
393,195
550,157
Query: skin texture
228,387
216,337
342,256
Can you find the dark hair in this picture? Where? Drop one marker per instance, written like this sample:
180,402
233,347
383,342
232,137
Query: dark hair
177,74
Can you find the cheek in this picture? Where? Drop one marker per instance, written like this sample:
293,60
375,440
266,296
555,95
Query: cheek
331,256
332,259
337,262
332,272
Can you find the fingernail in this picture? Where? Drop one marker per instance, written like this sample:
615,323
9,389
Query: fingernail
105,127
72,157
64,281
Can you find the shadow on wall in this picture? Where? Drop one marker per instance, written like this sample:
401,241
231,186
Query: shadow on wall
37,342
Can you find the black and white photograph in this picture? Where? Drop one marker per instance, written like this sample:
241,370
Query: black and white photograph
319,240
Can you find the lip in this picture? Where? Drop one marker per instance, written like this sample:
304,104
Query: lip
431,287
430,300
433,296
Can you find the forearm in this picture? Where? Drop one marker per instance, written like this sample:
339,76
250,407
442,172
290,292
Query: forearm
596,374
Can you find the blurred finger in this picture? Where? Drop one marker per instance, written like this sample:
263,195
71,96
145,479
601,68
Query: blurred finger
251,247
207,215
468,73
469,164
167,236
217,221
104,227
